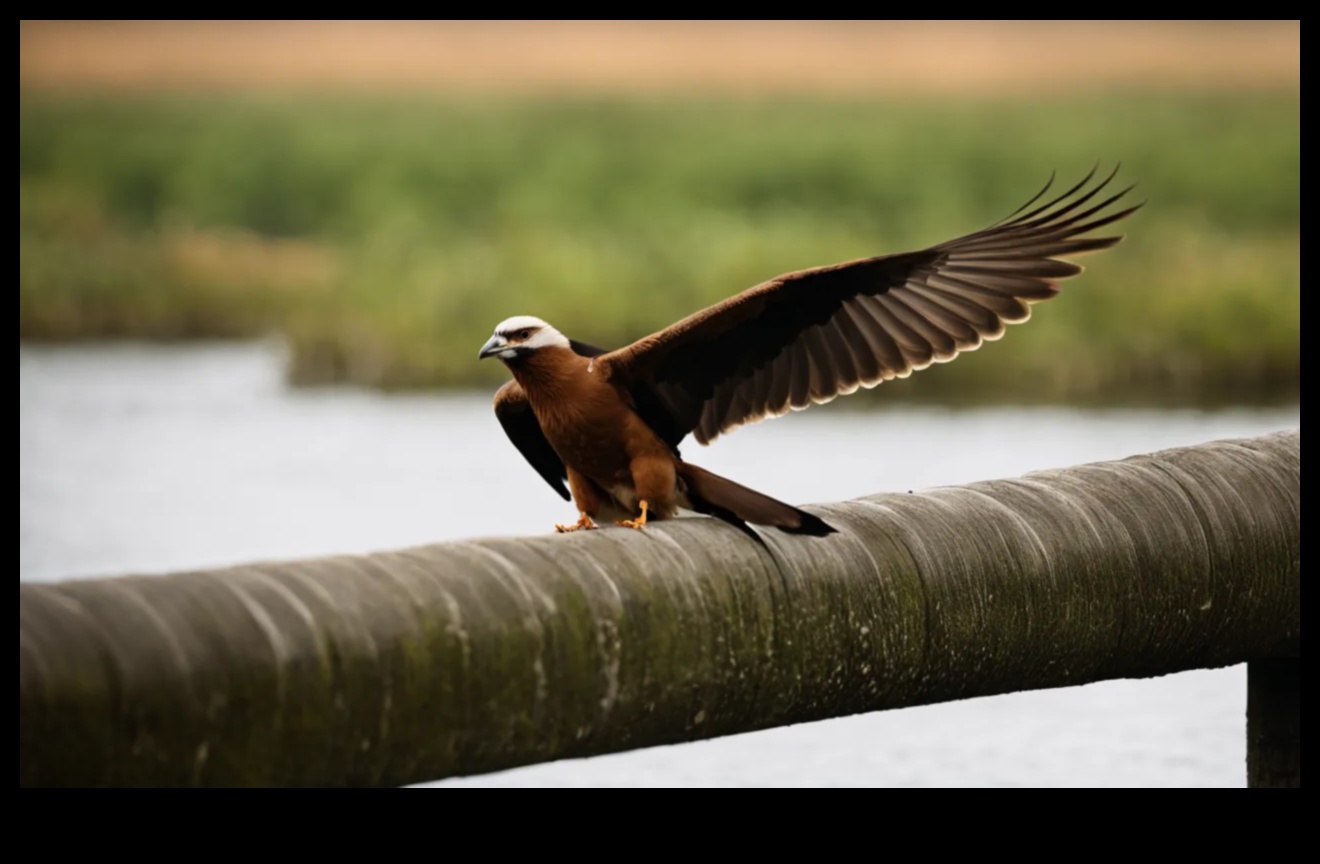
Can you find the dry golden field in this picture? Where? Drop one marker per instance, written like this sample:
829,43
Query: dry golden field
744,57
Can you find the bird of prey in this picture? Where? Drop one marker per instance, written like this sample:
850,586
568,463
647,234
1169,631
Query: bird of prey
610,422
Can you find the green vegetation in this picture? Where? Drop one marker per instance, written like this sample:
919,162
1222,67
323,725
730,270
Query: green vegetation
386,237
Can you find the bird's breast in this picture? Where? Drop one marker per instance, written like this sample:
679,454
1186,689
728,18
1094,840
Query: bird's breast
585,418
586,423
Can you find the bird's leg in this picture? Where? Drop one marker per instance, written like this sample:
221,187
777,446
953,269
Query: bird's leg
635,523
585,497
584,521
654,479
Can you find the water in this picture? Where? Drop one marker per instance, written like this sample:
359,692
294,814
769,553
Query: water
149,459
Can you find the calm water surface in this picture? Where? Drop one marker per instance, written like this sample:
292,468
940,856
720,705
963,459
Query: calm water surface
147,459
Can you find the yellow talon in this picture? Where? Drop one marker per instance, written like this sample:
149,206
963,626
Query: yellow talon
635,523
584,521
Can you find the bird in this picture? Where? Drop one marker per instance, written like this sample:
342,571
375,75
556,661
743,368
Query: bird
610,422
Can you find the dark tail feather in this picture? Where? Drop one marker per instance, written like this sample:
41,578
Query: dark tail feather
724,499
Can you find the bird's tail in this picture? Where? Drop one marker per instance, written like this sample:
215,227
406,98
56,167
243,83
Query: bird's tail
715,496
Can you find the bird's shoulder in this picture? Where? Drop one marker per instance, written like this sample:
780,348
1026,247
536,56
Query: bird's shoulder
510,397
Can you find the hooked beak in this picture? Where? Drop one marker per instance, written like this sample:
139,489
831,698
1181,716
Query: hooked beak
493,346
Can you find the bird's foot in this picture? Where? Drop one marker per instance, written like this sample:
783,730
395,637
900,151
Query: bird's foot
635,523
584,521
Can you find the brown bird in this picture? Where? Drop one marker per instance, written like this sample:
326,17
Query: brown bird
610,422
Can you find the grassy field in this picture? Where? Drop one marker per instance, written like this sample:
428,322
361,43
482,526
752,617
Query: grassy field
386,236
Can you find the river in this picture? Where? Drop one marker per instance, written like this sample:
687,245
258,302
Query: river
143,459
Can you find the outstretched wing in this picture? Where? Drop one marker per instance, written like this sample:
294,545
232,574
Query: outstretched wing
524,430
809,336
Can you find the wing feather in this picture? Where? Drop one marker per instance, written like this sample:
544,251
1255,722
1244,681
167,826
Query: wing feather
865,361
983,321
809,336
961,333
781,379
524,430
881,340
845,367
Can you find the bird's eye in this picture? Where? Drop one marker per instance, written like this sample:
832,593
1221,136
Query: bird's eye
523,334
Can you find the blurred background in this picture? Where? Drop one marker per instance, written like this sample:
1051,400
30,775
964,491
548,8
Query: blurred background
220,221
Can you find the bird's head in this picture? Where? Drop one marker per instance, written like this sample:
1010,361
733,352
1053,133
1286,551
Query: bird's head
519,336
